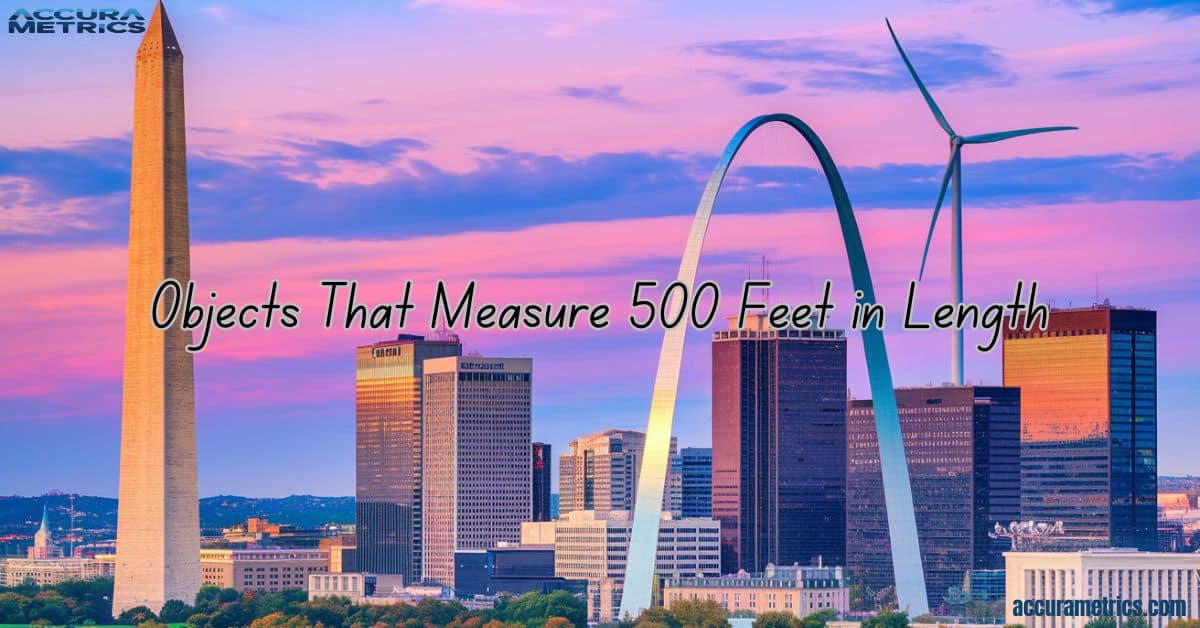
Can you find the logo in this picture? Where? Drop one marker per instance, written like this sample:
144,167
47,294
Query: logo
482,366
76,21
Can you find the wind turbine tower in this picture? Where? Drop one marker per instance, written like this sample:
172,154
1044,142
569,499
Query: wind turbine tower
954,172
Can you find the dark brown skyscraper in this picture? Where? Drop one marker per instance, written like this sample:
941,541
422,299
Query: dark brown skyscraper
388,452
964,460
779,446
541,481
1089,424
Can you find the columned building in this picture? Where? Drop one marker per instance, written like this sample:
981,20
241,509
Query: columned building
779,445
388,429
1167,586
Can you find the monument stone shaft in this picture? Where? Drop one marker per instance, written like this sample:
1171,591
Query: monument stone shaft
158,521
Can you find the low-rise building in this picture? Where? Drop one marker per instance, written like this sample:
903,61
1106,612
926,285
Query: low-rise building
1068,589
798,590
49,571
276,569
374,589
593,546
343,553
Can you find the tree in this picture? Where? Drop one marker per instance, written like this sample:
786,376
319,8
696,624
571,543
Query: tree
136,615
1184,623
1023,626
175,611
819,619
559,622
657,616
152,624
776,619
887,619
12,608
1102,622
700,614
534,609
1136,621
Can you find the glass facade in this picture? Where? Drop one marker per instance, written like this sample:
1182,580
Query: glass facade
388,451
541,482
695,465
963,446
779,446
1089,424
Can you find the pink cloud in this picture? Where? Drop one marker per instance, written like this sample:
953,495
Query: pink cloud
65,305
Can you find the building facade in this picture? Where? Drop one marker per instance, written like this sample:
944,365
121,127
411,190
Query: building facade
262,569
1089,424
50,571
696,477
542,460
779,445
593,546
388,457
963,446
798,590
600,473
1167,586
477,443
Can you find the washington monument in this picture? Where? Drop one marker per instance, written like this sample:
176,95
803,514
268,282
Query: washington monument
158,521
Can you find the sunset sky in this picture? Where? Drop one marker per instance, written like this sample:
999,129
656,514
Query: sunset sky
555,154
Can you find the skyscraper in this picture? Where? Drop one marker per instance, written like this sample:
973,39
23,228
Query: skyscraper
963,449
541,482
158,520
1089,424
779,445
696,477
601,469
388,451
477,476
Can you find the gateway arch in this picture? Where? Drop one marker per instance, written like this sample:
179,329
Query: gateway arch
906,555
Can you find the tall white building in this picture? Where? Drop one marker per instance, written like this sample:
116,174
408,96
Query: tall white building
477,483
1067,589
593,546
600,472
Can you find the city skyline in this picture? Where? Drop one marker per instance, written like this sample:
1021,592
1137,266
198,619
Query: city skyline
249,384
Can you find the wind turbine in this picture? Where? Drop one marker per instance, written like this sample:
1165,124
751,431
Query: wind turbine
954,171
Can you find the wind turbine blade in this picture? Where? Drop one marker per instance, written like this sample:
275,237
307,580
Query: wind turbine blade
987,138
937,113
938,207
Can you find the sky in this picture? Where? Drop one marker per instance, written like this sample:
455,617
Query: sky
555,152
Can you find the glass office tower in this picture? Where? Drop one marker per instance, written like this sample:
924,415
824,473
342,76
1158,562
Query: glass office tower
1089,424
963,446
696,474
779,445
388,451
541,482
